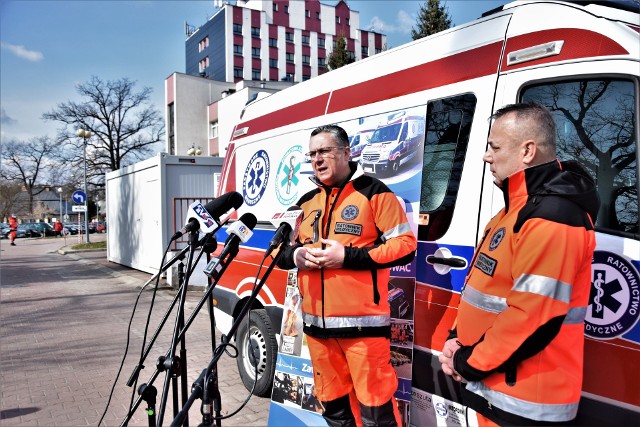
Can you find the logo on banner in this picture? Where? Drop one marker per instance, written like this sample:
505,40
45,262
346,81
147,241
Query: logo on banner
287,175
256,176
614,300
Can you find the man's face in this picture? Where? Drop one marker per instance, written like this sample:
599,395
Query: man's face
332,167
505,150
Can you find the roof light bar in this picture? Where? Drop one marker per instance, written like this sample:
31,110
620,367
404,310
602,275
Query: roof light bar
535,52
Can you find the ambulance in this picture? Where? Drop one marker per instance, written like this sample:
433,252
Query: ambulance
582,61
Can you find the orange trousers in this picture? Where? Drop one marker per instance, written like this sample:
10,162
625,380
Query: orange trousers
360,366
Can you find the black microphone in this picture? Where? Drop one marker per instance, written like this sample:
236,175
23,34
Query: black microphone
207,217
288,224
239,231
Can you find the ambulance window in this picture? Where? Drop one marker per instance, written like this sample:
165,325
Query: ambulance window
597,126
446,138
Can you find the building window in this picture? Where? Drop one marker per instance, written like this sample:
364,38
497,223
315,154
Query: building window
237,28
204,43
305,77
290,57
322,62
273,63
365,50
255,52
275,7
378,50
203,64
317,15
289,37
213,130
273,42
255,32
237,49
320,42
255,74
286,8
288,77
307,13
305,40
352,55
306,60
347,21
337,19
237,72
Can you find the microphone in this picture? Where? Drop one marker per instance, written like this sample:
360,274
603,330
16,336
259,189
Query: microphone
207,217
239,231
288,224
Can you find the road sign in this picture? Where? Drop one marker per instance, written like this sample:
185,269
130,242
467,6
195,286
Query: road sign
66,217
79,197
79,208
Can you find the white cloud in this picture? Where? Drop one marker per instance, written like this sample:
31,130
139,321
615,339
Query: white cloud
5,119
402,24
22,52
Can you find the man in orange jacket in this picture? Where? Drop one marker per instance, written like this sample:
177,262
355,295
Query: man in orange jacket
13,227
353,230
519,335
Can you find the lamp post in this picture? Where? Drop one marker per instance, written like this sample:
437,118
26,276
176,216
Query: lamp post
85,134
60,194
193,151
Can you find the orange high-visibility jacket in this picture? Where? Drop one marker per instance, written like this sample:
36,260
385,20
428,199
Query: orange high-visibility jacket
520,320
367,218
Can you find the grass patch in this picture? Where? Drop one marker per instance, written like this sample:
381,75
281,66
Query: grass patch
93,245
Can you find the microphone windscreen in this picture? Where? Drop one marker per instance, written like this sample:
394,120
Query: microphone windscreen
224,203
249,220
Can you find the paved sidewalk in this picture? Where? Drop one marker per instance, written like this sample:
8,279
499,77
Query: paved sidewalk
63,334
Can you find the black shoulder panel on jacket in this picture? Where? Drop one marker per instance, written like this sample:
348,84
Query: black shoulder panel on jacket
553,208
370,186
307,196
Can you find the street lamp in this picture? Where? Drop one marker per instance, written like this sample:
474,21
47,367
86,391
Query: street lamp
60,193
85,134
193,151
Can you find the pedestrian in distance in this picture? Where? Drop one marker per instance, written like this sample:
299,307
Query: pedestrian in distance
353,230
13,229
518,339
58,228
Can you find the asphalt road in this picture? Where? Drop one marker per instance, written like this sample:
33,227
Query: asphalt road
64,330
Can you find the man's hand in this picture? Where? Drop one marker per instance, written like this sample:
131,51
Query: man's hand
305,260
330,257
446,358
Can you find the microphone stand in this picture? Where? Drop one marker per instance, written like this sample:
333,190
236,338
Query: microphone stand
176,366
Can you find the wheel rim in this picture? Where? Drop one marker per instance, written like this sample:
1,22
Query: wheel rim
254,344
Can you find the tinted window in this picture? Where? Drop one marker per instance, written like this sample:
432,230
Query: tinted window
446,139
597,126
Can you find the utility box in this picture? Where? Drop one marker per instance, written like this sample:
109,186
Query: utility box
146,205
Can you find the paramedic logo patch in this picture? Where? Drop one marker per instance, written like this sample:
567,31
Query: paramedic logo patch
486,264
287,175
350,213
614,301
255,178
497,238
346,228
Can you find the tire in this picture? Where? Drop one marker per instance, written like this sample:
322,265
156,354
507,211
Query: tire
394,168
258,339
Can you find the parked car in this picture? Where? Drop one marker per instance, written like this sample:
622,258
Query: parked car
29,231
21,232
71,228
37,229
101,227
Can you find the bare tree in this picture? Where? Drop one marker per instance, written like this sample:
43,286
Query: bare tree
32,165
124,125
9,197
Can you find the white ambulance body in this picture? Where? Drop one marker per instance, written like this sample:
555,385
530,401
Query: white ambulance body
579,59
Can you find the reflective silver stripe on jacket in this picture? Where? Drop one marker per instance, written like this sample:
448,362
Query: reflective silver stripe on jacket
346,321
483,301
396,231
575,316
544,286
555,412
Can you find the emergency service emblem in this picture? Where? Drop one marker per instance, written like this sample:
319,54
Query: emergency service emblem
497,238
350,213
614,301
287,180
256,176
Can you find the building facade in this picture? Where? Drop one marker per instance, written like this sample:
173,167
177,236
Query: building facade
281,40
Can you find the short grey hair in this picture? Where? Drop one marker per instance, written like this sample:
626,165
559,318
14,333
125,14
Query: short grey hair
541,124
339,134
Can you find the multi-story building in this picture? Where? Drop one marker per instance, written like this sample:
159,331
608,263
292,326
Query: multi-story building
247,48
281,40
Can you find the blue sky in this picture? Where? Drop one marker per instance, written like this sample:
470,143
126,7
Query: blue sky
47,47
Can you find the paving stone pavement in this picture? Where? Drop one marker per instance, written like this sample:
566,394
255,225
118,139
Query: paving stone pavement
64,323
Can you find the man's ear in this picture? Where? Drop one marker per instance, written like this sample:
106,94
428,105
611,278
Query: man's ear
529,151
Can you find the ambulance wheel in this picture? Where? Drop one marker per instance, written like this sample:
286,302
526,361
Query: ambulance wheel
257,345
393,168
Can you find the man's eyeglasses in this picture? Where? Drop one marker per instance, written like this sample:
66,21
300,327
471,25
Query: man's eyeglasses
322,152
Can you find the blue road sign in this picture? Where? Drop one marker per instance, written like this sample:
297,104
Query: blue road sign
78,196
